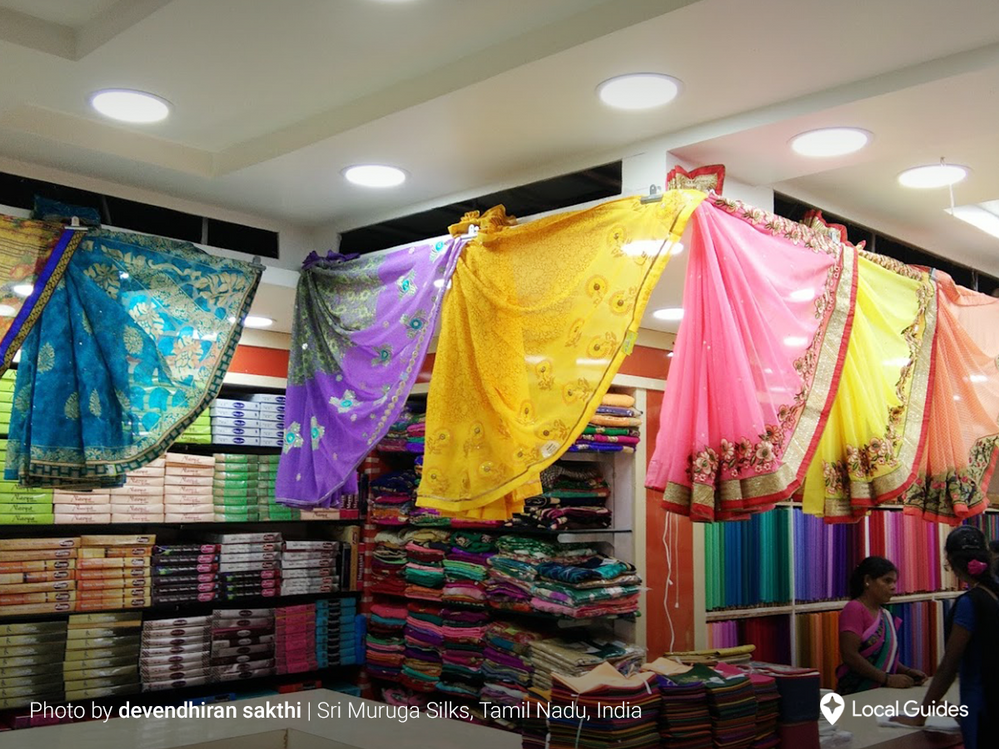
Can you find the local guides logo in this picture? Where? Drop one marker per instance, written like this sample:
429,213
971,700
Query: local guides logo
832,707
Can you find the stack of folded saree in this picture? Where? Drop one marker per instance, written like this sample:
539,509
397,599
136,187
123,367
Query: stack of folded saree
424,573
391,498
617,710
424,635
388,563
575,657
732,705
509,584
462,653
596,586
507,669
466,567
416,434
615,428
386,646
395,439
684,720
574,497
767,704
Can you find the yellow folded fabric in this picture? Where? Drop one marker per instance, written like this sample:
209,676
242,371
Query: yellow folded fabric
534,328
618,400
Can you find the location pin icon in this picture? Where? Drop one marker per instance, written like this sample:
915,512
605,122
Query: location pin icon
832,707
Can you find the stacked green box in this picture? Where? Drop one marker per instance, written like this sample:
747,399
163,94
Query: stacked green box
6,399
269,508
200,430
235,488
21,506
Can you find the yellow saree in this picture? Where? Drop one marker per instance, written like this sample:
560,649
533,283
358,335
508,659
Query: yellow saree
534,328
872,440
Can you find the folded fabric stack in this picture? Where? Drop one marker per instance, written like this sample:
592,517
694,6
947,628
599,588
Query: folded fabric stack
684,720
767,711
575,497
424,573
464,630
509,585
344,631
20,505
385,644
424,639
577,657
732,705
242,644
466,567
416,434
309,567
395,439
388,562
113,572
94,640
391,498
183,573
616,710
597,586
614,428
175,653
507,669
295,639
31,661
800,694
141,499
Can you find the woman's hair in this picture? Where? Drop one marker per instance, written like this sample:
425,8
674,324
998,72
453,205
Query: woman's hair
968,553
872,567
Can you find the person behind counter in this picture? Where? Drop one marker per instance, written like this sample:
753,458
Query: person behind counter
868,636
971,623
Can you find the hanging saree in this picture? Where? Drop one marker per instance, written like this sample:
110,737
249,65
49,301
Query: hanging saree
879,645
33,258
756,363
875,433
536,325
132,345
961,435
361,332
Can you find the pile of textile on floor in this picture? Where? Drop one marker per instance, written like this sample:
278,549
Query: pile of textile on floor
575,497
615,428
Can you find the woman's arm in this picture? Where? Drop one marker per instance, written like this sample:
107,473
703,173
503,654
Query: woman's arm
849,649
917,676
946,672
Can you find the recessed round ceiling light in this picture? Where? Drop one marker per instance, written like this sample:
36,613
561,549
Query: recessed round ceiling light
7,311
130,106
638,91
255,321
830,141
23,289
374,175
932,175
669,314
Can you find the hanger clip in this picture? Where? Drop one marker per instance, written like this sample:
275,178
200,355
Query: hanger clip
654,196
74,224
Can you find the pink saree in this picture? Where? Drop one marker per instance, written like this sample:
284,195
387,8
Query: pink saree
961,439
757,361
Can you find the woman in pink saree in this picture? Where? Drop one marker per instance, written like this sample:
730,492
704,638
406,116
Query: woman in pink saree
757,361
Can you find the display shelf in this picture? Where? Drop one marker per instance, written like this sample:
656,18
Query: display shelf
806,607
189,608
198,448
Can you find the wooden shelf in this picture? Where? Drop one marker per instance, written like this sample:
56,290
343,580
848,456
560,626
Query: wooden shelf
811,607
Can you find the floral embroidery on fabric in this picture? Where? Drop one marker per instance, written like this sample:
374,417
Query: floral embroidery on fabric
293,436
439,442
95,404
602,347
623,302
407,285
526,415
105,276
780,226
384,356
344,403
596,287
46,358
544,370
414,323
71,409
133,341
580,390
575,331
316,431
476,435
555,430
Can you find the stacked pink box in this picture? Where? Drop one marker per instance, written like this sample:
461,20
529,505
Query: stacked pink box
81,508
188,488
140,500
295,639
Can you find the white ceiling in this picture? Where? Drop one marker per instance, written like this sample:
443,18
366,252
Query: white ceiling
273,99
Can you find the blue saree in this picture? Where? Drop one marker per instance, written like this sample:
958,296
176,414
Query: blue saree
132,345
